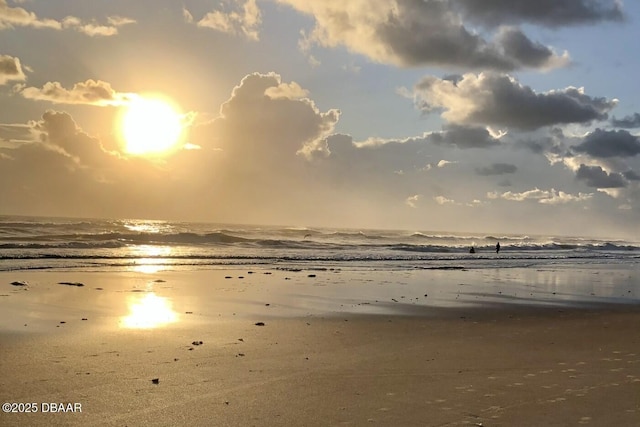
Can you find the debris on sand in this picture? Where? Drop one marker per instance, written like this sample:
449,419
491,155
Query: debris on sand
197,343
155,380
23,284
78,284
259,323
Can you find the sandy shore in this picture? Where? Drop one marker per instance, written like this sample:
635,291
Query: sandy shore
335,348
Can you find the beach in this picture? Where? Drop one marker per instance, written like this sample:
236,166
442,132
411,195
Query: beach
317,347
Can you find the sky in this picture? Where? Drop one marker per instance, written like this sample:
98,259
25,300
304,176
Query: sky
506,116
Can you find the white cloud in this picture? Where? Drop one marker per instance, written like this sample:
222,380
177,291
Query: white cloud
286,91
17,16
443,163
411,201
550,197
11,17
441,200
244,19
90,92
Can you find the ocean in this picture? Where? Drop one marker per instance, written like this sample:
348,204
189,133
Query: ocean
34,243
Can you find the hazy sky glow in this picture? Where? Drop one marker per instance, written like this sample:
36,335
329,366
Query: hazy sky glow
457,115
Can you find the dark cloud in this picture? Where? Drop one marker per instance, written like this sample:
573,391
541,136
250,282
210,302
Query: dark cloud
596,177
10,69
550,13
500,100
604,144
417,33
544,145
464,137
629,122
497,169
59,130
631,175
518,46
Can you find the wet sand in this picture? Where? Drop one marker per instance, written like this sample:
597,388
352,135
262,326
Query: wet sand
273,347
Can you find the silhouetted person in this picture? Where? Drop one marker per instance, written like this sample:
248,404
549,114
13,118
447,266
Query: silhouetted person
472,250
498,247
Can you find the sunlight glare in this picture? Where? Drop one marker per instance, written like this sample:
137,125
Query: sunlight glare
150,126
149,311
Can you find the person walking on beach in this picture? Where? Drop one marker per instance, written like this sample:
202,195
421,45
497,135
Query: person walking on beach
498,247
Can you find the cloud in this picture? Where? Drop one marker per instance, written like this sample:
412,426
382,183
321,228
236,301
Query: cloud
444,163
286,91
549,13
629,122
187,16
549,197
441,200
517,45
94,28
497,169
244,19
500,100
552,143
463,137
596,177
17,16
59,131
11,17
631,175
62,170
10,69
411,201
604,144
90,92
418,33
280,126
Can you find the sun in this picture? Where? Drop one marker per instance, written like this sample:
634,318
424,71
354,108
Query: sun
150,126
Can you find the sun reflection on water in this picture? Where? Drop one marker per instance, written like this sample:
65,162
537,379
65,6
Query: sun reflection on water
148,311
150,258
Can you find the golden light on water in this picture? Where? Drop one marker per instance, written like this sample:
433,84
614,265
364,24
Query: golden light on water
148,266
152,258
149,311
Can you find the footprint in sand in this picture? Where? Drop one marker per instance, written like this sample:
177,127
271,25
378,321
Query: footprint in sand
551,386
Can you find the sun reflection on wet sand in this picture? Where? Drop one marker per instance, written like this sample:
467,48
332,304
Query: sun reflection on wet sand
148,311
